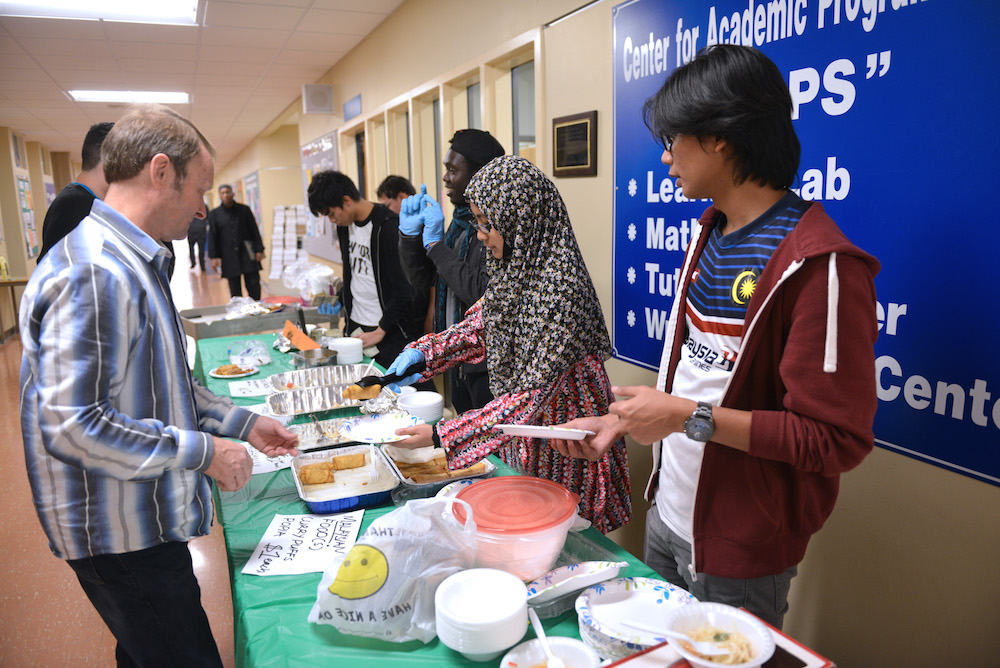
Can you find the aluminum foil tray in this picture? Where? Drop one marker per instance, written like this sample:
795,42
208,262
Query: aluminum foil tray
345,374
311,400
318,434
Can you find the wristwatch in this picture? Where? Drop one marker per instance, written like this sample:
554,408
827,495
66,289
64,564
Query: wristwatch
700,426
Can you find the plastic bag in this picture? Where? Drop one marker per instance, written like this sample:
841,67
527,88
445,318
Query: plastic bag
309,278
384,587
249,353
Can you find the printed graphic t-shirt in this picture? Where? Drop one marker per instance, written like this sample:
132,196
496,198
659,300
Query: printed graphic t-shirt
721,287
365,307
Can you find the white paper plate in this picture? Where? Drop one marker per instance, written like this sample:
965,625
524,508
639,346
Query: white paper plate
569,578
540,431
603,607
378,428
252,370
453,488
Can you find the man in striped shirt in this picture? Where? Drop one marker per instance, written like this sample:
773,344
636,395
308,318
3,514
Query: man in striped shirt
119,440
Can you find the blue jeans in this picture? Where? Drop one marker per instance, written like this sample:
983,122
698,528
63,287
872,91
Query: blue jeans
669,555
151,602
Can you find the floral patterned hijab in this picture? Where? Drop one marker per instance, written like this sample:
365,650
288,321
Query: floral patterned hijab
540,310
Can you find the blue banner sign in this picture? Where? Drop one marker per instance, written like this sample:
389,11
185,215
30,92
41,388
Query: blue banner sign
895,103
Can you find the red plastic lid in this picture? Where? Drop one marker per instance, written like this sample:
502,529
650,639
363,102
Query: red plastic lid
281,299
517,504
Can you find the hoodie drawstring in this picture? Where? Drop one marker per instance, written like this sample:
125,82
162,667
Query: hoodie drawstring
832,301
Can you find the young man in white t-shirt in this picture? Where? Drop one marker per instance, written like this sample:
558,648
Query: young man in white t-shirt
766,387
379,303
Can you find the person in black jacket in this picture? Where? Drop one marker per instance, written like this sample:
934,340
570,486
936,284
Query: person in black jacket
453,263
73,202
234,243
380,306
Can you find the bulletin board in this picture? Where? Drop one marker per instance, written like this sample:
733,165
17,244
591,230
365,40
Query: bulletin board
321,238
27,216
884,119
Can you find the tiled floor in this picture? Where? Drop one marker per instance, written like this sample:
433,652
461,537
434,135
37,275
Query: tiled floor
45,619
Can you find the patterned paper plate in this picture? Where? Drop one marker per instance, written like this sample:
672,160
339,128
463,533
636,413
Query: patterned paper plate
378,428
604,607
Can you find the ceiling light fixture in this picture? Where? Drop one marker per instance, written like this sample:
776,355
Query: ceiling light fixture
130,96
176,12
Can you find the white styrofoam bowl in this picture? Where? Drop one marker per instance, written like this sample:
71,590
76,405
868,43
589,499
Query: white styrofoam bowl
349,349
573,652
481,632
688,618
428,406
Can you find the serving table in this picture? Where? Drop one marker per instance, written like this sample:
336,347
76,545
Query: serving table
270,613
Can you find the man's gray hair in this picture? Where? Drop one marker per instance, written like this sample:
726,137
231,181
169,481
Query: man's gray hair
145,131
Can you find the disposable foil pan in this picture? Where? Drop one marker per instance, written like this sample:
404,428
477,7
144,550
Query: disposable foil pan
311,400
345,374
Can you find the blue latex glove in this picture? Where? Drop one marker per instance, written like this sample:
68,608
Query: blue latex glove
406,359
410,220
433,218
329,309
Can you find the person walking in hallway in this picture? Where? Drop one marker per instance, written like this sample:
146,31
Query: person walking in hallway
234,244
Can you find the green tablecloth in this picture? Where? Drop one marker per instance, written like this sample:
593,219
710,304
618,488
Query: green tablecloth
270,613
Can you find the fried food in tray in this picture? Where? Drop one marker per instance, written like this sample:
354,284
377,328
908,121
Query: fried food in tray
362,393
429,465
323,472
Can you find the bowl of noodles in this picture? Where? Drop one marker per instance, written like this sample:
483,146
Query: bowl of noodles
749,642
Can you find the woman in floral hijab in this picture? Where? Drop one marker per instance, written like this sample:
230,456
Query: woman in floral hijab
542,333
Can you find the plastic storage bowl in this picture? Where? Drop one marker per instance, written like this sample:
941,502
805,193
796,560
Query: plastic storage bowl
689,618
481,632
521,522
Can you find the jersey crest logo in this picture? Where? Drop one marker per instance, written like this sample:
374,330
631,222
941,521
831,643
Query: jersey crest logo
743,287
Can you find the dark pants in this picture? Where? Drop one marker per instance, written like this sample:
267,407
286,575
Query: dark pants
151,602
469,391
252,281
200,243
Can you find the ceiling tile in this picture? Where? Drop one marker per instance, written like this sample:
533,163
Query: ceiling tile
352,23
185,68
52,28
151,34
143,51
87,80
219,75
376,6
236,54
252,16
322,41
231,36
59,62
80,48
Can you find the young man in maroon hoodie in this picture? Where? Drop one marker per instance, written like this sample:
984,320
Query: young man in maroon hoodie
766,387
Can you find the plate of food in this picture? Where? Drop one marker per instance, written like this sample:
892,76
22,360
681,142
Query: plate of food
429,466
542,431
232,371
572,577
378,428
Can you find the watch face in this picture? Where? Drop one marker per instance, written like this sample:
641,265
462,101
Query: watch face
699,429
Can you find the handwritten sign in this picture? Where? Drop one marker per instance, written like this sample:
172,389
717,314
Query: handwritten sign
256,387
264,464
296,544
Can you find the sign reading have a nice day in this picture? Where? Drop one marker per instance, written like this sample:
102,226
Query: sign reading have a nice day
895,104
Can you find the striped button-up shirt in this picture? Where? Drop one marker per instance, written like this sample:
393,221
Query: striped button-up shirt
114,425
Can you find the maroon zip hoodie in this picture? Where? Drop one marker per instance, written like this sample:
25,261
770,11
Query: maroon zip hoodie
806,368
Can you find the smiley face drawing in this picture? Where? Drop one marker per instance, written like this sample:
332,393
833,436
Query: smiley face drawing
363,573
